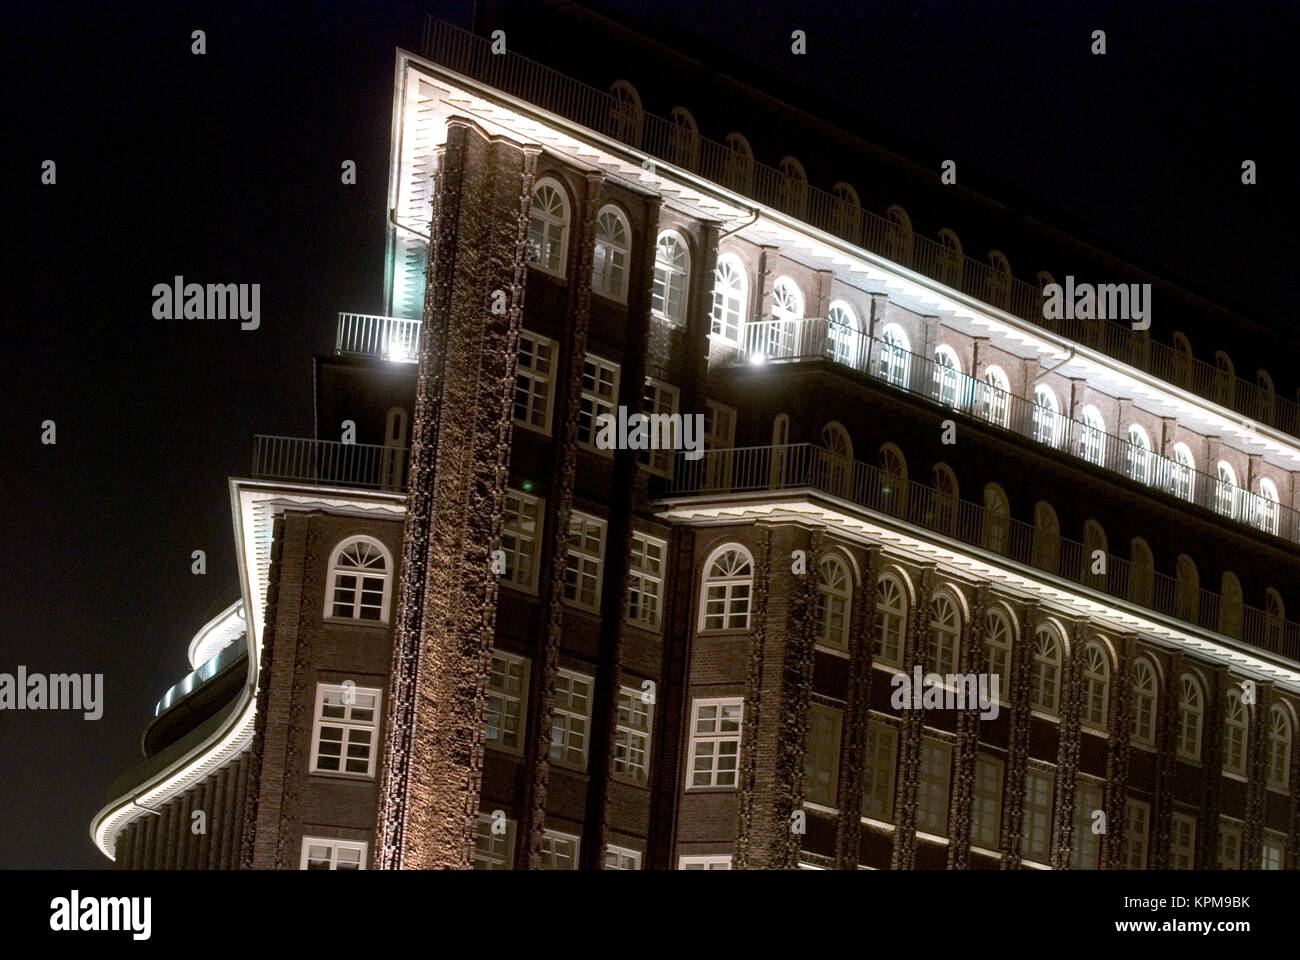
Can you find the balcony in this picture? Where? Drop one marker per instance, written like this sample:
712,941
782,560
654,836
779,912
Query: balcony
206,671
792,341
808,467
528,80
391,338
330,462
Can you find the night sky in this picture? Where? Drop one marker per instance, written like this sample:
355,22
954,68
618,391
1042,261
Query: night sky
226,168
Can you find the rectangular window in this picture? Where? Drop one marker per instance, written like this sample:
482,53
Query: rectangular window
571,718
494,843
986,806
584,561
621,858
705,863
534,377
660,398
932,788
1229,845
521,538
1137,816
324,853
559,850
1087,845
632,734
1182,844
719,434
1037,822
878,778
715,742
507,700
346,728
821,763
599,396
645,587
1272,852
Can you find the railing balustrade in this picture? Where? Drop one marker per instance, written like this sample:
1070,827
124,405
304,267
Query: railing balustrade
330,461
393,338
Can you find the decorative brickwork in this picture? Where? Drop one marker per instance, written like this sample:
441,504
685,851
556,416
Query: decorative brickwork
1162,810
862,632
1067,750
1252,831
1207,835
748,777
968,726
1013,795
903,856
1117,755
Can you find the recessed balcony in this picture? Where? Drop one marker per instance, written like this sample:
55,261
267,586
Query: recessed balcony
330,462
390,338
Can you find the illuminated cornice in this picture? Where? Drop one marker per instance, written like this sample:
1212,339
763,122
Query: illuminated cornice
217,634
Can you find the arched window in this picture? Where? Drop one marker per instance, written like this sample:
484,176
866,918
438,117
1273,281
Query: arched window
609,265
1266,506
548,227
1096,549
625,114
836,458
945,629
393,465
1045,684
893,480
1274,618
895,356
997,649
999,279
1142,573
787,301
891,614
1182,359
360,579
1047,416
787,308
997,519
1227,377
684,141
843,334
1267,396
729,287
944,482
1191,711
1047,537
1235,724
848,211
780,454
794,187
1137,464
672,277
1231,606
834,589
995,393
1144,702
738,163
898,242
1279,748
950,259
1187,590
1225,490
1182,478
1096,685
947,375
1092,438
728,584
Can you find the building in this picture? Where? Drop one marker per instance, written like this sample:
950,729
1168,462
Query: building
470,635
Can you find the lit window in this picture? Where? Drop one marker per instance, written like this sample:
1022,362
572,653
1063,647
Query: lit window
1137,814
360,581
533,378
1086,842
995,394
1045,678
1036,844
1144,703
1229,845
895,356
507,698
728,298
493,848
728,582
822,758
323,853
997,651
932,787
843,335
632,734
621,858
1096,686
715,742
1191,711
571,718
705,863
1279,749
1234,734
1137,464
521,537
891,614
1271,853
659,399
548,218
778,338
1225,490
609,266
1092,440
945,631
719,434
559,850
833,588
878,776
1183,475
645,586
1266,507
947,375
599,397
986,803
1182,842
672,273
584,561
1047,416
345,731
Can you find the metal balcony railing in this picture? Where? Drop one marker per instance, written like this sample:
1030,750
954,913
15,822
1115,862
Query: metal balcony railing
330,462
205,672
805,466
393,338
550,90
825,339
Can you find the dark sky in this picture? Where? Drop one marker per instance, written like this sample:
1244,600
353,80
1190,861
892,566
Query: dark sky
225,168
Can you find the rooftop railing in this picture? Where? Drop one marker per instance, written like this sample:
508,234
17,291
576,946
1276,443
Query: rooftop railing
330,462
393,338
673,143
205,672
805,466
825,339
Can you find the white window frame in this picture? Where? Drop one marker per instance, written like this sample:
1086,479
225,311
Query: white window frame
715,862
1092,440
335,846
1277,770
666,272
1136,845
1046,416
996,406
730,293
633,732
348,725
1272,852
600,398
550,225
1183,478
584,563
625,858
1045,673
334,571
886,615
947,376
499,696
1235,733
1096,687
522,509
1227,495
647,570
1088,796
1182,842
1230,834
550,841
661,398
986,802
734,589
1002,647
491,858
570,728
538,386
945,635
1190,716
834,604
895,356
611,260
1138,455
718,740
1144,720
1036,817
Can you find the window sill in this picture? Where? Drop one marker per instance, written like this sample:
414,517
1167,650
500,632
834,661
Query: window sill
343,777
348,622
